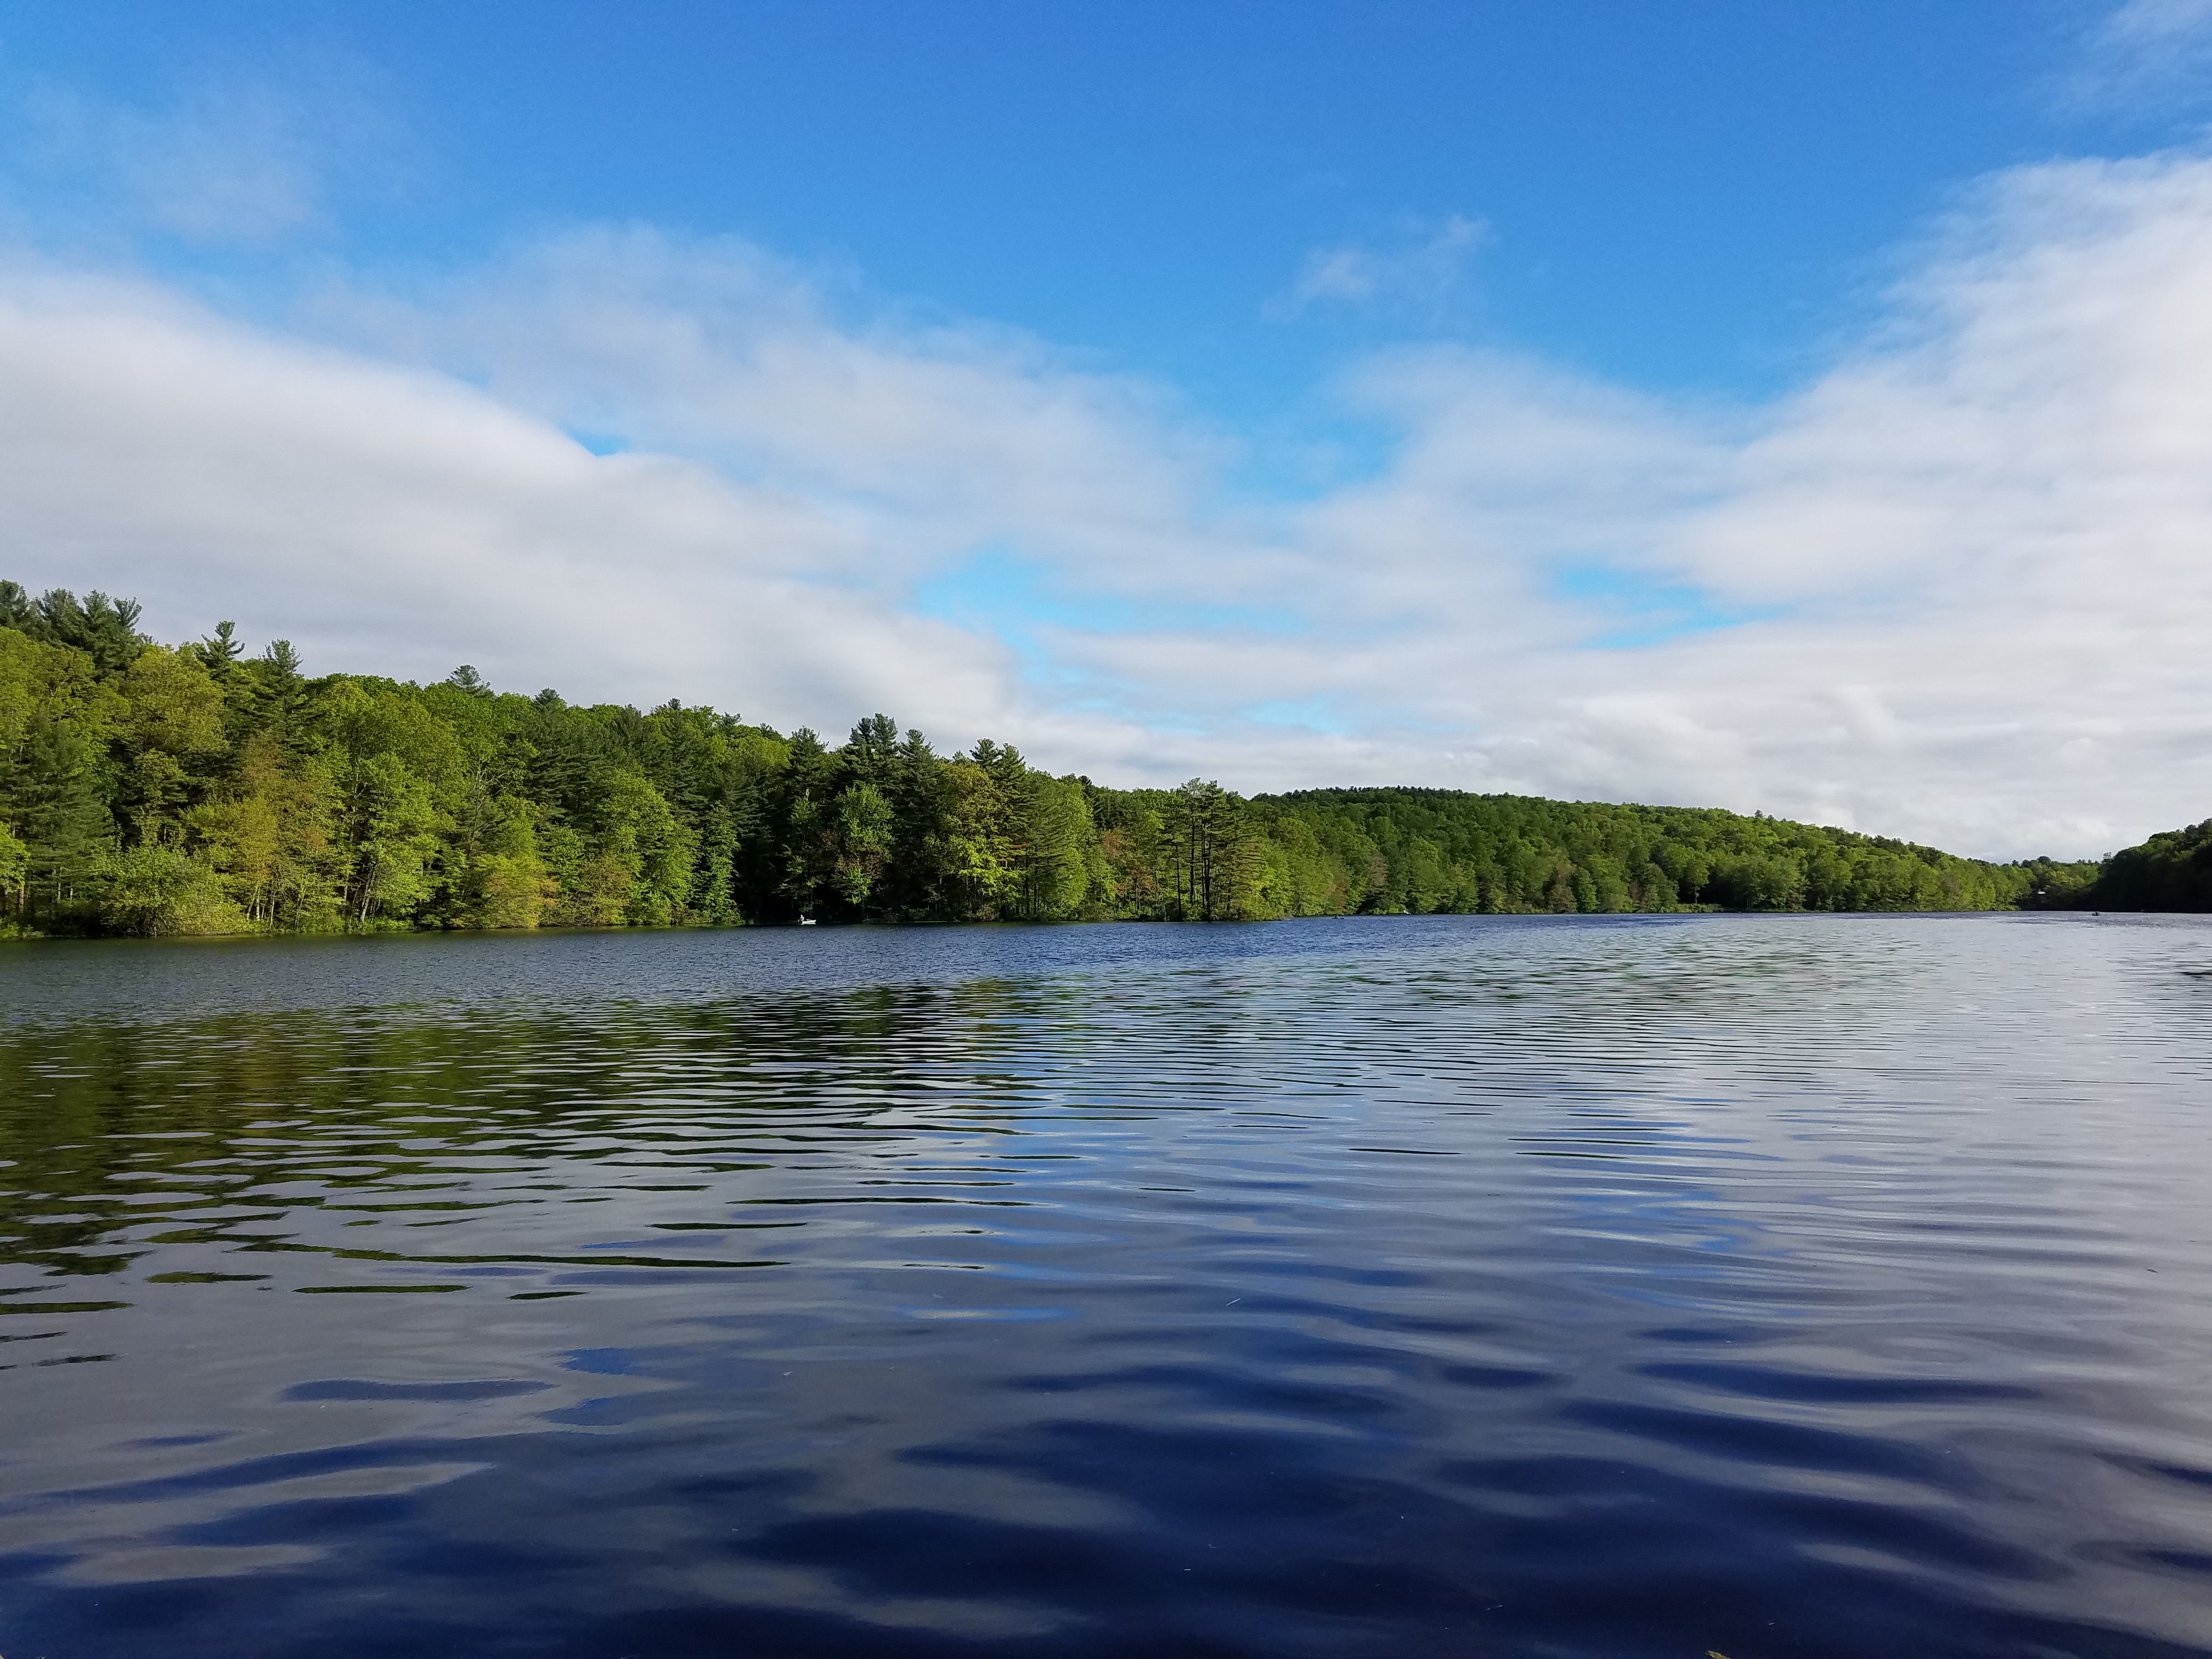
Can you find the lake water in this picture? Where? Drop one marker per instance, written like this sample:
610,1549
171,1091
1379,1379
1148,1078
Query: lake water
1834,1285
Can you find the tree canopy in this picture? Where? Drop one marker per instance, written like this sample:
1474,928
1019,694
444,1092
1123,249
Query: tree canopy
2171,870
196,789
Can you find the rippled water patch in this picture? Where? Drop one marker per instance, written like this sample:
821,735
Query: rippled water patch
1764,1285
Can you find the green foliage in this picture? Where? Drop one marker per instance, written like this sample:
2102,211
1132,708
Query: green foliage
2171,870
200,790
157,890
104,629
1402,850
15,868
52,797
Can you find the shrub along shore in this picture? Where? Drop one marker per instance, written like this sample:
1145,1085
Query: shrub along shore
195,789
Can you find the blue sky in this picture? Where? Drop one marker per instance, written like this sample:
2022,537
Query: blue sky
1686,196
1488,395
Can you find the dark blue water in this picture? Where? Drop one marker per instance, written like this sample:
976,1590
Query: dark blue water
1604,1286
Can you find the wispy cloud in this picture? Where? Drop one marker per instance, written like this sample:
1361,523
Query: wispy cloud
2150,23
1423,266
2146,55
239,157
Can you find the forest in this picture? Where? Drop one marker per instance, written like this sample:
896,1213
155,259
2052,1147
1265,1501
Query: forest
195,789
2171,870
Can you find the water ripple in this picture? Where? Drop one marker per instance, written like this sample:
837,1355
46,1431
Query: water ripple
1823,1285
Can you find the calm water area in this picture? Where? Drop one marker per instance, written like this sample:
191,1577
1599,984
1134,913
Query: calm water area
1619,1286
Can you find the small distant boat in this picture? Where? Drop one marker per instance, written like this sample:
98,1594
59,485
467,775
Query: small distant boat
808,921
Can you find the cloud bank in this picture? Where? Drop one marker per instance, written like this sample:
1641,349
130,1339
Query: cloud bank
1956,587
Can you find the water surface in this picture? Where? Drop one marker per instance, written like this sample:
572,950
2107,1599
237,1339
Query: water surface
1552,1287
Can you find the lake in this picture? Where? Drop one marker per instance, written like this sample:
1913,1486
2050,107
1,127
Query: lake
1811,1285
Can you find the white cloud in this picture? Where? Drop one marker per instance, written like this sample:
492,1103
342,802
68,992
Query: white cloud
392,520
1984,535
1955,588
929,443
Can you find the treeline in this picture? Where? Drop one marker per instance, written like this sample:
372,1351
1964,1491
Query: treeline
2171,870
1438,849
194,789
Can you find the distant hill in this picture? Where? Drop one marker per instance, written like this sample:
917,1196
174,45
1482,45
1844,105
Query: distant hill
1521,853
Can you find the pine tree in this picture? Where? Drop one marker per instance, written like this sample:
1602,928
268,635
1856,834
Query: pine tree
54,802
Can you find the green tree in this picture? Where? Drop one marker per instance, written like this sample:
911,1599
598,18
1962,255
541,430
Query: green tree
860,842
104,629
1213,872
981,857
1054,834
53,795
15,872
155,889
395,820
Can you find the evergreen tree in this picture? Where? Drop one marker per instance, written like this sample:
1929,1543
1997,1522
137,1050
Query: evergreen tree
53,800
